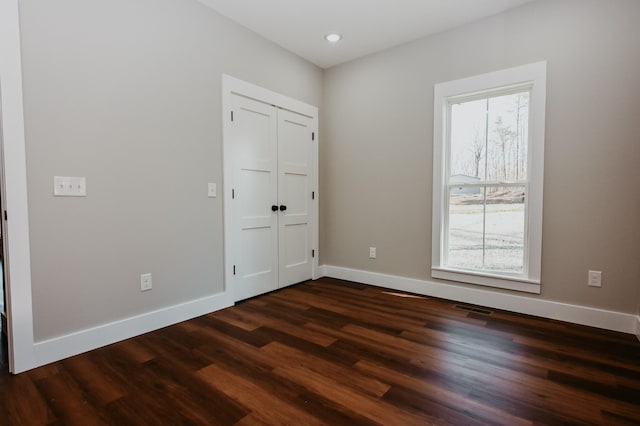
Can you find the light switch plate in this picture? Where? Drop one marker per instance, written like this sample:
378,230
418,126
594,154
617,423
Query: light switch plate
212,190
67,186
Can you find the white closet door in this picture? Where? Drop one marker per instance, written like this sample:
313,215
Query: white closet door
294,192
254,143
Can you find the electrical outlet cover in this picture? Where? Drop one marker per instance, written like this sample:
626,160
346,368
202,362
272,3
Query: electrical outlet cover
595,279
146,282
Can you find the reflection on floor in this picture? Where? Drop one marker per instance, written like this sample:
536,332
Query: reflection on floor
1,287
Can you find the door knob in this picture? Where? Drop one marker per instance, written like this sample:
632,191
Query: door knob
274,208
282,207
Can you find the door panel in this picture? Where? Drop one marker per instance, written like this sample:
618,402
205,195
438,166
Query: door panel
254,144
294,191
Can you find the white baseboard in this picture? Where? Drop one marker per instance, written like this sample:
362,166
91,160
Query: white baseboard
609,320
322,271
61,347
58,348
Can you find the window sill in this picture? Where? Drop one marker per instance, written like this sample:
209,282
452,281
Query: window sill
497,281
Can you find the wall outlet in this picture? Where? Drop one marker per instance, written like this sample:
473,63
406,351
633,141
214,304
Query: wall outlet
145,282
595,279
372,252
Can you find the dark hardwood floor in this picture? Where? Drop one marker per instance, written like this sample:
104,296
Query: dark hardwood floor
3,346
339,353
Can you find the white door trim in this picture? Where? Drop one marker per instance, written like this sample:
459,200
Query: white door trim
18,261
230,86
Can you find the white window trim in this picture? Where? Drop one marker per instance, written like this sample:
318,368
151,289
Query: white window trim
533,76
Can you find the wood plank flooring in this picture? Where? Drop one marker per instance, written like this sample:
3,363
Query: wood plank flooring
340,353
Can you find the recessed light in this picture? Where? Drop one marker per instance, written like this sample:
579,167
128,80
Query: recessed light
333,38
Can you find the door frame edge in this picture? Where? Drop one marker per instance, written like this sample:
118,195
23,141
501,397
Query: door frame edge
19,309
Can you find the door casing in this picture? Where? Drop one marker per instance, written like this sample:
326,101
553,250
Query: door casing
19,309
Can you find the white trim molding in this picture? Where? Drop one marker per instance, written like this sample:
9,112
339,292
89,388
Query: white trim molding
471,277
594,317
61,347
18,259
321,271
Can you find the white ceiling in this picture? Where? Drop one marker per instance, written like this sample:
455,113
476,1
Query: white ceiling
366,26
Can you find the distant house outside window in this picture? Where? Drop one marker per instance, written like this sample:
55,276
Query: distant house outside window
488,175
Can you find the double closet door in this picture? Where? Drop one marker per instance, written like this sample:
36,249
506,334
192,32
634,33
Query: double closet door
272,196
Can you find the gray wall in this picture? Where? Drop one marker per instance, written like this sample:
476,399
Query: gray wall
376,175
128,94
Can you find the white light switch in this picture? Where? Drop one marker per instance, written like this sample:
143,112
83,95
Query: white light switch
65,186
212,192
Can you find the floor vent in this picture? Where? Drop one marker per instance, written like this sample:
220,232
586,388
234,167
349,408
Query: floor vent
473,309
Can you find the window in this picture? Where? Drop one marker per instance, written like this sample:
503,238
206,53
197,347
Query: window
487,178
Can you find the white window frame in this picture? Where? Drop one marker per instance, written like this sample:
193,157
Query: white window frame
531,77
